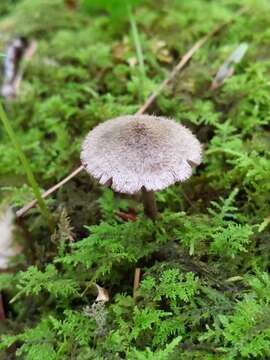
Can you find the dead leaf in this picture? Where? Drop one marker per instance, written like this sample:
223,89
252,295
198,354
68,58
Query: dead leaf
159,48
120,49
130,216
18,53
132,61
72,4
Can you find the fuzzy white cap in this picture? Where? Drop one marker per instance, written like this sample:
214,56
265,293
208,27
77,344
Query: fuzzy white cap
131,152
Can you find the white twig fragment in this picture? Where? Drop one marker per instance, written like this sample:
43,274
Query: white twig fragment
227,69
7,247
103,294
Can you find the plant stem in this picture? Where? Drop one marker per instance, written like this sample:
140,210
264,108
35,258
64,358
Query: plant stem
26,166
137,43
149,204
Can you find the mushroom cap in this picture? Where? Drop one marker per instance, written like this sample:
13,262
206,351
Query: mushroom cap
132,152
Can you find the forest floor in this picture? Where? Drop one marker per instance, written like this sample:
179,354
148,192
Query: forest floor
204,284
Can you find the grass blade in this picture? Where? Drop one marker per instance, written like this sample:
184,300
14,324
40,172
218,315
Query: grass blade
138,45
26,166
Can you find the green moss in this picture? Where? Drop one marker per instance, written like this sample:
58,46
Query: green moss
204,291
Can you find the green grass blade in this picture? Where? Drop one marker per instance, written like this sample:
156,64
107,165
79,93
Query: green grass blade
137,42
26,166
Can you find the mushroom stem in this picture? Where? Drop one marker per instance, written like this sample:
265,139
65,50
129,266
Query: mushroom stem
149,204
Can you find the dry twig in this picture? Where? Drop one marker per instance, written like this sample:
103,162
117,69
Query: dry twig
136,283
185,59
32,203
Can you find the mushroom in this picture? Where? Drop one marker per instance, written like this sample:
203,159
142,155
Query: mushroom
140,153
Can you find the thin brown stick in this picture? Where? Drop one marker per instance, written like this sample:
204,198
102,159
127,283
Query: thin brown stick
184,60
32,203
136,283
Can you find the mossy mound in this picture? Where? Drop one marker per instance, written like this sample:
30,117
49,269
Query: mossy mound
205,287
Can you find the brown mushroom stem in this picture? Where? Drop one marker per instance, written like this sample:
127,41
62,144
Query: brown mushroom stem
149,204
